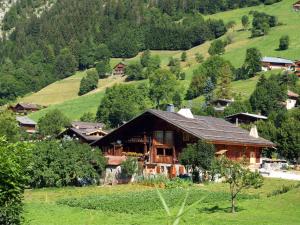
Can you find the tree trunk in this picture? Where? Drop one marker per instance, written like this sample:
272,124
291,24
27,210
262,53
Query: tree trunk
232,204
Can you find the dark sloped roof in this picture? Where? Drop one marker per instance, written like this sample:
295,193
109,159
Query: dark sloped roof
208,128
83,133
292,94
277,60
87,125
24,120
247,115
28,105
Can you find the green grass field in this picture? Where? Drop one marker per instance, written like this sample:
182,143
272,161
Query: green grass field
41,207
63,94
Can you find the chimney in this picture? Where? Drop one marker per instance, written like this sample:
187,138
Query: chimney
254,132
186,113
170,108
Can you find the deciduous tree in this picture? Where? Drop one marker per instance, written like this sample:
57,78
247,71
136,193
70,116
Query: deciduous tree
198,156
53,123
162,86
238,177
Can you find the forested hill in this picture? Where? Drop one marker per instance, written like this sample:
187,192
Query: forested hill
41,46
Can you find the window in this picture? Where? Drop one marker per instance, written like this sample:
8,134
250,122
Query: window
169,137
159,136
186,137
164,137
169,152
160,151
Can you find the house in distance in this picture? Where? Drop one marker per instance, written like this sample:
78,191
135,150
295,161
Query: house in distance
244,118
271,63
292,99
158,137
25,108
85,132
221,104
296,6
119,69
27,124
297,68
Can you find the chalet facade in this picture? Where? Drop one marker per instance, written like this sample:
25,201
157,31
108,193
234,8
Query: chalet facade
25,108
157,138
27,124
271,63
244,118
296,6
297,68
119,69
84,132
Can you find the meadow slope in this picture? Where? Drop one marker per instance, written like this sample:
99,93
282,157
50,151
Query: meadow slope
63,94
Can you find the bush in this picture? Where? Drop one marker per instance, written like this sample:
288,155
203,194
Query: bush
14,160
284,42
199,57
283,189
129,167
65,163
134,72
88,83
262,23
217,47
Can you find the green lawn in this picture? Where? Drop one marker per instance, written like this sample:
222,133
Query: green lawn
41,207
63,94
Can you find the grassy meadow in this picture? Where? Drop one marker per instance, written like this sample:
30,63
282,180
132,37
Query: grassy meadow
42,205
63,94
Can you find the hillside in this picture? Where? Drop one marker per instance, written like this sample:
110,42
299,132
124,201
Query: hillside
69,103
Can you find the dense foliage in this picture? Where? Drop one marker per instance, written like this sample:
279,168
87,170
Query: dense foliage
57,164
283,129
78,34
198,156
269,95
162,86
121,103
52,123
207,75
9,126
14,162
88,83
262,23
144,202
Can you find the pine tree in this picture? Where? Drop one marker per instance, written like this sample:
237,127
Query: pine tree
224,85
208,90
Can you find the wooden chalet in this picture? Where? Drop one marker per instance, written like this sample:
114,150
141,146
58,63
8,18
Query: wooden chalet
221,104
119,69
296,6
84,132
27,124
158,137
270,63
244,118
297,68
24,108
292,99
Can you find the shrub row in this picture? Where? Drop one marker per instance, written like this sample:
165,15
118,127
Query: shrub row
283,189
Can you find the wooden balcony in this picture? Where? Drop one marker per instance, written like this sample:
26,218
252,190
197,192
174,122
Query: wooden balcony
163,159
